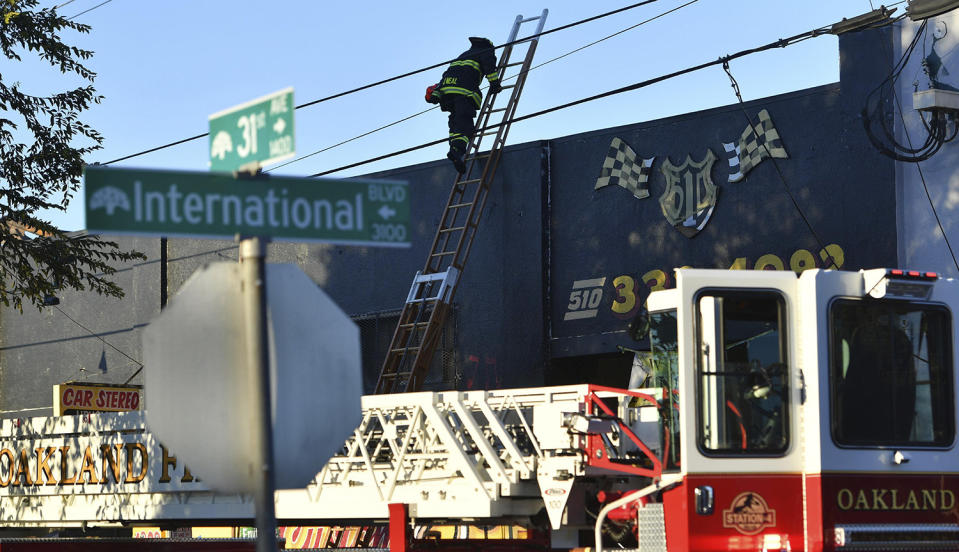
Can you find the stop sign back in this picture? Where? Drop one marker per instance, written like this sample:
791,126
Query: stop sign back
199,389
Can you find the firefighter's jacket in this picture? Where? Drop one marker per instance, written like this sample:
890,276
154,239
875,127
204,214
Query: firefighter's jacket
465,73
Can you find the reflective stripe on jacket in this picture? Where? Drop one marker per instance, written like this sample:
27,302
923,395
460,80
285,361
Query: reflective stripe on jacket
464,74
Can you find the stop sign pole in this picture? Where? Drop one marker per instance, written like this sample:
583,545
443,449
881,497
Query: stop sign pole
252,253
253,270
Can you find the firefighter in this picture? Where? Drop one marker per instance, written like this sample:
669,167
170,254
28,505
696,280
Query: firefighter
458,93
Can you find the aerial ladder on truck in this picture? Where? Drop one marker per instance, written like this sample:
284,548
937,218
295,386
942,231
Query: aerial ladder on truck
430,298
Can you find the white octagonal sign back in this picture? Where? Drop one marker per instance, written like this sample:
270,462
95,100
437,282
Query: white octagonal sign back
199,390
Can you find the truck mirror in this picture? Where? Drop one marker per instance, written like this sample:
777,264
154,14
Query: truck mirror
639,325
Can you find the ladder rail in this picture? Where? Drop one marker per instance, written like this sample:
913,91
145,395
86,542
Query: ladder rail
495,155
420,324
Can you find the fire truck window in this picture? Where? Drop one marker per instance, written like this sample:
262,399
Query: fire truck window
663,361
743,376
890,374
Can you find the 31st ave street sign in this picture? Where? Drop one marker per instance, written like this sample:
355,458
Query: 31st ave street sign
201,204
259,131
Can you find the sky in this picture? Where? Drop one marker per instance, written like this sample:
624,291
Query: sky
164,68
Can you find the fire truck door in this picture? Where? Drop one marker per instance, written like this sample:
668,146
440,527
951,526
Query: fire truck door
743,488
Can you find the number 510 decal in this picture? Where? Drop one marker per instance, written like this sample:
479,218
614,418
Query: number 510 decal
586,296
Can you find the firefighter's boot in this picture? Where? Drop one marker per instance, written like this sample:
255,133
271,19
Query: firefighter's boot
456,156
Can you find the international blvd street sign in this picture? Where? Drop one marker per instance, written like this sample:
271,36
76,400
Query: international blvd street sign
257,132
218,205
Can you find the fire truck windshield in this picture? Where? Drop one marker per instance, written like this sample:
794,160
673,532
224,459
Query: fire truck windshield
663,361
743,396
891,380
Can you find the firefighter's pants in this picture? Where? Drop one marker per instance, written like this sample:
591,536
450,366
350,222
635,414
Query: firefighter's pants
462,112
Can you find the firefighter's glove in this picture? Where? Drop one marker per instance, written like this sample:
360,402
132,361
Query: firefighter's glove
432,94
495,87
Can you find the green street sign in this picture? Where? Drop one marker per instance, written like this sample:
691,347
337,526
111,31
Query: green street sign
259,131
218,205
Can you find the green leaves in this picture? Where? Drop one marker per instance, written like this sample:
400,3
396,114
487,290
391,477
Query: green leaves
42,146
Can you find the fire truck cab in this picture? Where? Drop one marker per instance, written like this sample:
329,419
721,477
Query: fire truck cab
807,413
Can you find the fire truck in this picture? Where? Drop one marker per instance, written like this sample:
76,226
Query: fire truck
776,412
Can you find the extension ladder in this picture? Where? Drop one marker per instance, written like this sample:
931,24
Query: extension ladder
430,298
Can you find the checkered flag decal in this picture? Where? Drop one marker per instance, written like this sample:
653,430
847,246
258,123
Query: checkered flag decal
622,169
755,144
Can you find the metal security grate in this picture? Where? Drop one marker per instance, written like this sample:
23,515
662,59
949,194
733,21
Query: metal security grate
376,330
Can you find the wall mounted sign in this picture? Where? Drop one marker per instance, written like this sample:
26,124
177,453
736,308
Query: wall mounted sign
754,145
621,169
77,398
690,196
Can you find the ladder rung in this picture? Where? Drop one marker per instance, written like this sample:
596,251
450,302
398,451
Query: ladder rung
514,64
413,326
453,229
528,19
459,205
442,253
508,86
497,110
471,180
404,349
421,300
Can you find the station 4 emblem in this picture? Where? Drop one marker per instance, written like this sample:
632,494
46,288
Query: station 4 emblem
749,514
690,195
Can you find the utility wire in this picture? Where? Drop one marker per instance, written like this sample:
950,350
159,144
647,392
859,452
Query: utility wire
782,177
91,332
922,177
781,43
388,80
88,10
595,42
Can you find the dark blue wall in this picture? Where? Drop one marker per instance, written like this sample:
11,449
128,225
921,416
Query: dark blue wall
832,189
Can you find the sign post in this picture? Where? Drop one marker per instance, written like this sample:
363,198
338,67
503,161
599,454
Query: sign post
252,252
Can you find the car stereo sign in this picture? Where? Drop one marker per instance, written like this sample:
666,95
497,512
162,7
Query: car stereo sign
200,204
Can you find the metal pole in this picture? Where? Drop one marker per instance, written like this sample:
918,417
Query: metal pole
252,254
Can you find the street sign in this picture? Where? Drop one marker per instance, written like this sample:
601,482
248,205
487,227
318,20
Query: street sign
218,205
200,395
257,132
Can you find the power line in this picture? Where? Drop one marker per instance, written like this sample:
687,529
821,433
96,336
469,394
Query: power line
922,178
781,43
595,42
782,177
919,154
94,334
88,10
387,80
